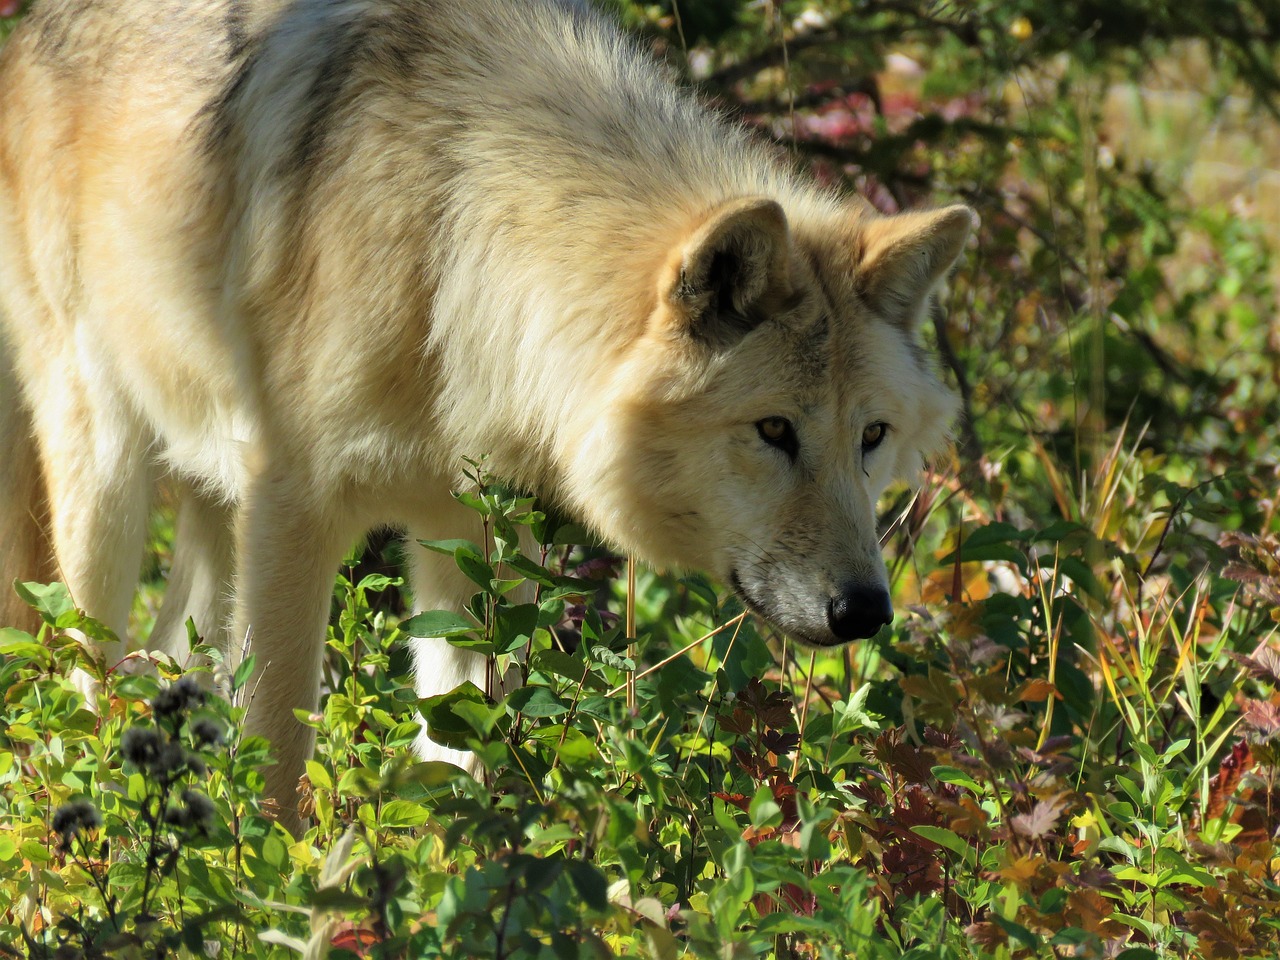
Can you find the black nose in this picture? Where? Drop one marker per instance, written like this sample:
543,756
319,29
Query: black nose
859,612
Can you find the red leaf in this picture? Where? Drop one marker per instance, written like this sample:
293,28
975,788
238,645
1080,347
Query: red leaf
354,938
738,800
1223,785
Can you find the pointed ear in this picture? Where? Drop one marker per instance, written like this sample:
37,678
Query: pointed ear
727,269
906,256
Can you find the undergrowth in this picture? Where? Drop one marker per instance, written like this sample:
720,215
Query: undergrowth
1078,762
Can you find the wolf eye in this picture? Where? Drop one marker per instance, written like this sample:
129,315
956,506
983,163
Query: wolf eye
778,432
873,436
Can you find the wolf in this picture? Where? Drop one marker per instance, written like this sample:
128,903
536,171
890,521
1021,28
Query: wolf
299,258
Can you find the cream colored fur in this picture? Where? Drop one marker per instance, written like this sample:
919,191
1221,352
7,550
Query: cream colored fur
303,257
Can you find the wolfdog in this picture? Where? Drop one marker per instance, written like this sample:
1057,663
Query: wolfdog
300,257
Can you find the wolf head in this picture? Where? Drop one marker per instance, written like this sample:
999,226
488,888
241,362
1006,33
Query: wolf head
776,390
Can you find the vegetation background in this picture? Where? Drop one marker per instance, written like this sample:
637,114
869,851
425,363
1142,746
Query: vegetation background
1065,746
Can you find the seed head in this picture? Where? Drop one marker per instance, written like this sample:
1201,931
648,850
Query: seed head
180,697
72,818
141,746
206,732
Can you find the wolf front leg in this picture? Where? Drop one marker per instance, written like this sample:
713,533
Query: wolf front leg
200,578
438,584
288,551
93,454
25,550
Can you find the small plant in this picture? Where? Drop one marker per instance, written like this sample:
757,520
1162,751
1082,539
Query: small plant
125,816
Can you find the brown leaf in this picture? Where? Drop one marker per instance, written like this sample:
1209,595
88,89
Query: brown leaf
1091,912
912,870
738,800
1261,716
1035,690
942,739
914,810
771,707
907,761
1042,818
937,689
1091,875
1022,869
739,721
965,818
989,936
1219,937
1263,665
1257,565
1223,785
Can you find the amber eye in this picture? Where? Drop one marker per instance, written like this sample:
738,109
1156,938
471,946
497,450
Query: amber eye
873,436
778,432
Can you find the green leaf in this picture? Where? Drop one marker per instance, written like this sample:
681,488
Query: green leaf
35,851
403,813
451,547
22,646
1137,875
51,600
358,782
530,570
597,708
991,542
477,569
481,717
1083,577
444,724
611,659
514,625
764,810
319,776
378,581
422,779
438,623
567,587
1017,932
701,588
536,702
243,672
561,664
590,884
944,838
476,502
572,746
954,775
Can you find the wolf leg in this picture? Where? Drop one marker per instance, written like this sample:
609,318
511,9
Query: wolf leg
438,584
93,452
25,551
288,551
199,583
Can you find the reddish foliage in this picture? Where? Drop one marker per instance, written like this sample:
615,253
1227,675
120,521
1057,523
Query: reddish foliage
356,939
1224,784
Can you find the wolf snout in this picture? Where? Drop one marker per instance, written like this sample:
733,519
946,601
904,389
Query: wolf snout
858,612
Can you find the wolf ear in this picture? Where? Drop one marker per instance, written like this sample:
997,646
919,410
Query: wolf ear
904,258
733,262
